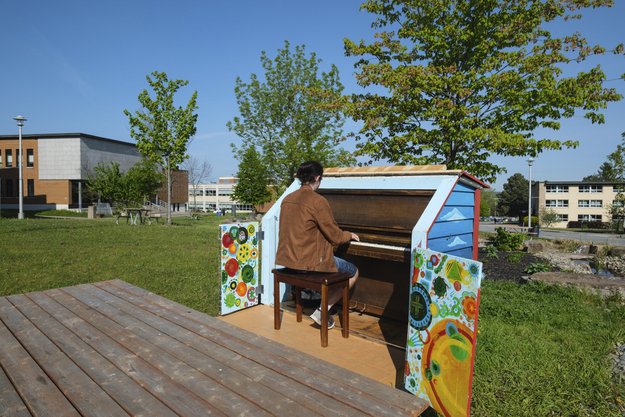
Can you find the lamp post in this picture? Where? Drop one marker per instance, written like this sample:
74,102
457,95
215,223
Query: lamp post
20,123
530,162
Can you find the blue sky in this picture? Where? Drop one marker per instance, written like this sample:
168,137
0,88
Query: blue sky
74,66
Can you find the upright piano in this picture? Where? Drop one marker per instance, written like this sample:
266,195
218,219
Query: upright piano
393,209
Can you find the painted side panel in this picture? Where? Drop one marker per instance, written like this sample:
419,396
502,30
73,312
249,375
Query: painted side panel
442,330
239,266
453,231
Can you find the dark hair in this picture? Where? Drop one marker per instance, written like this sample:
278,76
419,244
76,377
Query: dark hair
307,172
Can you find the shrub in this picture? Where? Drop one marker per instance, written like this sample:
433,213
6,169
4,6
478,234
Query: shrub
515,257
491,252
506,241
537,267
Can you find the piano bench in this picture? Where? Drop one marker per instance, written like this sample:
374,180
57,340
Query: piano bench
318,281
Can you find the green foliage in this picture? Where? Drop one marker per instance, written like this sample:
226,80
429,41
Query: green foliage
106,181
290,117
514,257
491,252
464,80
537,267
535,221
488,203
161,129
513,198
253,185
548,216
127,189
613,169
506,241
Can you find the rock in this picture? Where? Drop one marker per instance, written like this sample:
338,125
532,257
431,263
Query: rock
616,265
617,251
594,283
534,246
593,249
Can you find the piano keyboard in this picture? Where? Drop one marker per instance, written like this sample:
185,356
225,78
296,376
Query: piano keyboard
378,245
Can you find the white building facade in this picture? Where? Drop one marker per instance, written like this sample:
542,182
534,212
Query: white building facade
216,196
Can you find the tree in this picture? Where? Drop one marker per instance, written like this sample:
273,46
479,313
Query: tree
163,131
253,179
198,171
548,216
463,80
106,181
613,169
288,117
142,181
131,188
488,203
513,198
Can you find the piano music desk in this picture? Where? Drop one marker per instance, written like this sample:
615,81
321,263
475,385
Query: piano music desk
318,281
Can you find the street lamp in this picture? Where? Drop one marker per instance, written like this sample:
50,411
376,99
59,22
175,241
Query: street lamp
20,123
530,162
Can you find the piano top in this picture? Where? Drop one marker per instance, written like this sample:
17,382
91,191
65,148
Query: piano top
378,216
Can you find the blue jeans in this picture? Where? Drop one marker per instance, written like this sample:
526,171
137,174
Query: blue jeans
344,266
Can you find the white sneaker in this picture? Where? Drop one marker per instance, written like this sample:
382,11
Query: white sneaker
316,317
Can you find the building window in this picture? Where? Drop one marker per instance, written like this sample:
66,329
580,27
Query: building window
30,158
225,192
590,189
596,203
0,158
562,217
30,188
9,191
618,188
583,203
209,193
9,158
557,188
589,217
557,203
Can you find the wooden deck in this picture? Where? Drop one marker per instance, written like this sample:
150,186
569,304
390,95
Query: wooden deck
111,349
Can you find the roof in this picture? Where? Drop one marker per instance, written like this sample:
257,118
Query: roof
583,182
65,136
399,170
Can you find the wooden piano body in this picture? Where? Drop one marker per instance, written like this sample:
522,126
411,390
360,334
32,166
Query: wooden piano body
393,210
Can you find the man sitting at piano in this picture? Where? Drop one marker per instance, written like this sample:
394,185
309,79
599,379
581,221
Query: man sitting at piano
309,234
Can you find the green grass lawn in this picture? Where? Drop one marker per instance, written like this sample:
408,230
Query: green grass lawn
541,351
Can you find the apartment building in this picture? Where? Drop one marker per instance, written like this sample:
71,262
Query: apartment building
55,167
575,201
215,196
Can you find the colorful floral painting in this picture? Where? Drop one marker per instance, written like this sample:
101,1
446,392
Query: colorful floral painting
442,329
239,266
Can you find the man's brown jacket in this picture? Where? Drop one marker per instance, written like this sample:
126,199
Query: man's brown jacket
308,232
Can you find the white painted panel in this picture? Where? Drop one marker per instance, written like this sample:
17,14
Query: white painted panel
94,152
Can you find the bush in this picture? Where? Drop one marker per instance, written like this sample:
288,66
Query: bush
535,221
537,267
587,225
506,241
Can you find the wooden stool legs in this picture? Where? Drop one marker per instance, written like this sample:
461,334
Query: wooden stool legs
316,281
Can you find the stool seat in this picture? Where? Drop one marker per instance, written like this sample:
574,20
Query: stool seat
318,281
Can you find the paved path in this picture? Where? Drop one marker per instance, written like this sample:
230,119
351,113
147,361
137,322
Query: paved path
585,237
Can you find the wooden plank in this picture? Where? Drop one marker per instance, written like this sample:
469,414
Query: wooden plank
86,396
125,391
38,392
176,397
211,391
362,393
264,396
10,402
289,388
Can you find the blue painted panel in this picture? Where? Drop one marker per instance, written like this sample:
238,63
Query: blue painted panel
451,213
461,199
463,253
463,187
446,229
451,243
